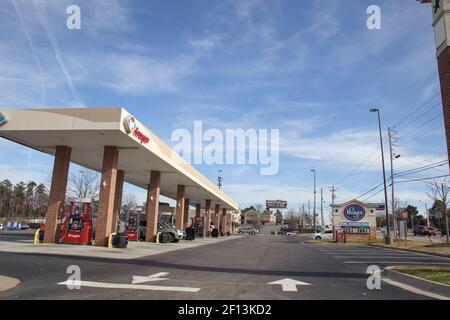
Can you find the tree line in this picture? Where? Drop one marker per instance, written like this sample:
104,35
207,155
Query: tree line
30,200
24,200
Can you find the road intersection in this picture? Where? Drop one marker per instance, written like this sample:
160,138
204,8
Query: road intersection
253,267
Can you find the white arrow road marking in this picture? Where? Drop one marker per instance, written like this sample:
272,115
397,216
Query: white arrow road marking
153,277
290,284
126,286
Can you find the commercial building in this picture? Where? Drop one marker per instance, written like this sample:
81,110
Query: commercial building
256,218
115,143
356,219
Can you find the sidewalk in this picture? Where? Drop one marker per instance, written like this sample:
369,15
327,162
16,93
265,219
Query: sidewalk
135,249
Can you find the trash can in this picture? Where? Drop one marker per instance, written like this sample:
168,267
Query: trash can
215,233
41,235
190,233
120,240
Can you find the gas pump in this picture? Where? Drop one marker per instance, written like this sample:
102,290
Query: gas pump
77,225
198,223
132,226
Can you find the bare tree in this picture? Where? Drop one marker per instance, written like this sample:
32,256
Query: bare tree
129,200
439,191
259,207
84,184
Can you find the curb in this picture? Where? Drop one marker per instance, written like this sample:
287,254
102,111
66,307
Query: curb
422,284
7,283
412,250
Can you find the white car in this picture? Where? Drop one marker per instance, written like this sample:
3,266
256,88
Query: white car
293,233
327,234
1,226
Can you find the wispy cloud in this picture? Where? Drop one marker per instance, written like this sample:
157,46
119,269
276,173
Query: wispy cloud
41,11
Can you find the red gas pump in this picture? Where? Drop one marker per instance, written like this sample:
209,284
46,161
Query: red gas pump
132,227
77,225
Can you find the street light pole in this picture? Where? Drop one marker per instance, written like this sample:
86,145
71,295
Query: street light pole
321,210
388,232
314,206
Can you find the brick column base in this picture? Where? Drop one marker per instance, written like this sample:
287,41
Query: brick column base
118,200
57,192
103,223
444,78
207,218
152,206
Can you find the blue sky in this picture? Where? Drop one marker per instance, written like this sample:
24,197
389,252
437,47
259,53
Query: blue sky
309,68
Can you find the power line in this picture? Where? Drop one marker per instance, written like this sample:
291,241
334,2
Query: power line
424,179
420,162
366,162
420,169
421,126
395,125
415,110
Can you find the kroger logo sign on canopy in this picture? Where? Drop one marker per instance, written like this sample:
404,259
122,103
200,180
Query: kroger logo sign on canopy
354,212
132,127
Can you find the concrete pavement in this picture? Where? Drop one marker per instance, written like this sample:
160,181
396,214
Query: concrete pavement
237,269
133,251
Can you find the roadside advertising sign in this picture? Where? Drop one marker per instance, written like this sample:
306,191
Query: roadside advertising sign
276,204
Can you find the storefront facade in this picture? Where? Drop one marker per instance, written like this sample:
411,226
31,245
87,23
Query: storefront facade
355,219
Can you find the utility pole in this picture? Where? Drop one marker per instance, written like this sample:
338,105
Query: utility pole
309,207
333,194
219,179
303,218
314,206
392,156
427,215
321,209
388,238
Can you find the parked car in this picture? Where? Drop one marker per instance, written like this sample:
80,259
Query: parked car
34,226
1,226
249,230
420,230
292,233
25,226
327,234
175,235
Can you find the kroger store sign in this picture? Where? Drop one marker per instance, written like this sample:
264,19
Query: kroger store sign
132,127
354,212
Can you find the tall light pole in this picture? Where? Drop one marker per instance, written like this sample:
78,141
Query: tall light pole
321,210
393,156
388,232
314,206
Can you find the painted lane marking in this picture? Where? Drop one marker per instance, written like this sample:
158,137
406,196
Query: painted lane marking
415,290
289,284
126,286
397,262
387,257
153,277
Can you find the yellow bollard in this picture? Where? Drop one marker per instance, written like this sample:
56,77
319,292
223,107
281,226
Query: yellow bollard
36,237
110,239
157,237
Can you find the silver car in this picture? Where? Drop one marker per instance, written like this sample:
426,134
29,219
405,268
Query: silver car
249,230
175,235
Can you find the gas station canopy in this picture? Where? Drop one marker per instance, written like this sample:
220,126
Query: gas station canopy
87,131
